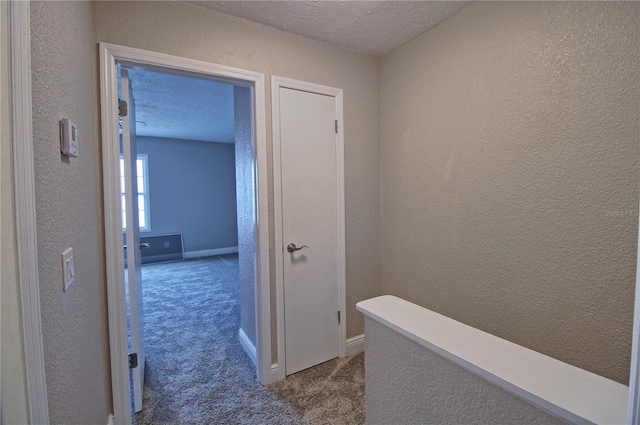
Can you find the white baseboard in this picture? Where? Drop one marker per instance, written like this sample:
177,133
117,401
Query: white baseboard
248,346
355,345
251,351
210,252
110,419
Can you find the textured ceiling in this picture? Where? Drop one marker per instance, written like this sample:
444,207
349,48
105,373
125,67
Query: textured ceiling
372,27
183,107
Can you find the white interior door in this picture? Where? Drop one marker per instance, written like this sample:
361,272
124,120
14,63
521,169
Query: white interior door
133,245
310,220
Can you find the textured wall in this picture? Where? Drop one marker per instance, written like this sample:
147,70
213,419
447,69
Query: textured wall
245,210
509,176
408,384
194,32
192,190
69,214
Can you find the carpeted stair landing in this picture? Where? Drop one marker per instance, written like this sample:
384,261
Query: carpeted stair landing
198,373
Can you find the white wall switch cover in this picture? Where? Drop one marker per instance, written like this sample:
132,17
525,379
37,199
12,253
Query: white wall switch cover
68,268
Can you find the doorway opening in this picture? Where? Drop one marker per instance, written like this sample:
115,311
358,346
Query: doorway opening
248,94
193,188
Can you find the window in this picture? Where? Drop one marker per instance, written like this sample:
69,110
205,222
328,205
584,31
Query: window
143,194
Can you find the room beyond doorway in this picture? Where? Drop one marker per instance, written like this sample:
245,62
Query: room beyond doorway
179,135
111,56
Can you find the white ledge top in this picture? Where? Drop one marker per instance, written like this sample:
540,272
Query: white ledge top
567,392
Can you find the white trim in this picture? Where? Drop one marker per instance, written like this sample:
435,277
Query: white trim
276,84
248,346
277,218
355,345
210,252
109,54
261,203
110,420
25,209
572,394
274,372
633,409
113,245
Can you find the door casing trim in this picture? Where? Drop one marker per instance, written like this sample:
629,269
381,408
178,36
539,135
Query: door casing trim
276,84
20,120
110,55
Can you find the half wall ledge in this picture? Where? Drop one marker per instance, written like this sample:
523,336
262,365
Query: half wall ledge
564,391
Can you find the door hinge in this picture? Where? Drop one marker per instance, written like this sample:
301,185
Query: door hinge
336,126
133,360
338,316
122,108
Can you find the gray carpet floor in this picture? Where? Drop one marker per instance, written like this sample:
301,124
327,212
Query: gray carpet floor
198,373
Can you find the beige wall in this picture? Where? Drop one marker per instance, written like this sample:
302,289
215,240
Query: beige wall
193,32
69,192
69,214
509,175
506,134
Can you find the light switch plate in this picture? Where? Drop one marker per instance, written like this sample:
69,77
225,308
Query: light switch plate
68,268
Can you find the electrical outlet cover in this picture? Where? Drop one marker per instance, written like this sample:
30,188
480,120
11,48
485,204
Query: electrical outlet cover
68,268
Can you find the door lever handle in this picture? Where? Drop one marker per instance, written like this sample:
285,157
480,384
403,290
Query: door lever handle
140,245
293,248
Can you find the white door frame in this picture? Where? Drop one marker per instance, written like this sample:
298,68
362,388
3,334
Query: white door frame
19,118
634,373
109,55
276,84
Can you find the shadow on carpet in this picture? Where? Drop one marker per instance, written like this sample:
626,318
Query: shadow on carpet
198,373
